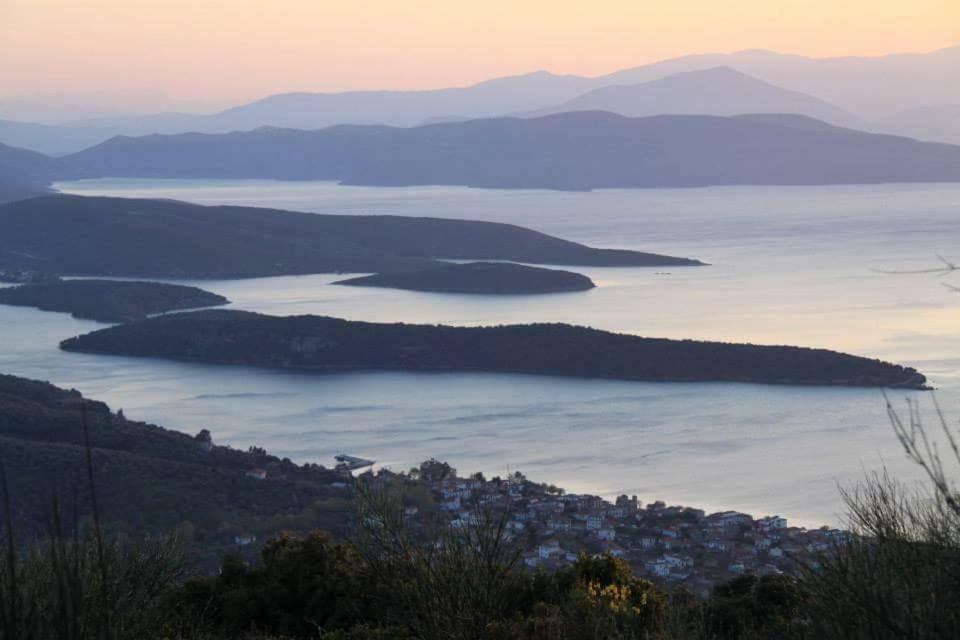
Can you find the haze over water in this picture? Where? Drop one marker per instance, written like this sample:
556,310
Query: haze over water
789,266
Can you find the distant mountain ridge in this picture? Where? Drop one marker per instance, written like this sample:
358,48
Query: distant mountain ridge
23,173
569,151
720,91
869,88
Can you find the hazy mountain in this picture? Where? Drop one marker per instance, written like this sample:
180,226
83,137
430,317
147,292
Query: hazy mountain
400,108
23,173
583,150
51,139
67,107
720,91
310,111
26,166
941,123
869,87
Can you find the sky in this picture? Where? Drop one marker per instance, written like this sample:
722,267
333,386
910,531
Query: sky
219,52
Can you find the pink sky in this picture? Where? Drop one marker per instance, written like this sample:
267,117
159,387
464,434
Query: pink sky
229,50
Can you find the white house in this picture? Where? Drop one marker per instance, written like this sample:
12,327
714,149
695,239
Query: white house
606,533
677,561
549,548
717,545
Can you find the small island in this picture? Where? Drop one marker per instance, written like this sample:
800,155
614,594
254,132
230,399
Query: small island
497,278
331,344
111,301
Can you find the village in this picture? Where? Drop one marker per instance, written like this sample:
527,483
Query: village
663,543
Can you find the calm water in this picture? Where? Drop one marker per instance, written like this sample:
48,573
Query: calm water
790,265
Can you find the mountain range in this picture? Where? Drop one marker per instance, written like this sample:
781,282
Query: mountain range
720,91
846,91
23,173
567,151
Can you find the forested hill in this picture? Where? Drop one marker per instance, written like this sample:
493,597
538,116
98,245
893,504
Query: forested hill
23,173
569,151
331,344
149,480
74,235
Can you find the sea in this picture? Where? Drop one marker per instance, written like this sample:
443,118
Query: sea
812,266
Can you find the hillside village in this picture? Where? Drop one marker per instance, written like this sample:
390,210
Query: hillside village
666,544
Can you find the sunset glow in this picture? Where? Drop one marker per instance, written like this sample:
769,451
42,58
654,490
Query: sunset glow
224,50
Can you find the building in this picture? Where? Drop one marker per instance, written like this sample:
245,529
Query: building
549,548
606,533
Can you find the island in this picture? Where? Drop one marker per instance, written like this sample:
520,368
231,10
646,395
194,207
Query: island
109,301
137,238
478,278
320,343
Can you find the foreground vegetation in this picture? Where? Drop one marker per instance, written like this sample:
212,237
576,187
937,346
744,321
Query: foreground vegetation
78,562
151,481
393,578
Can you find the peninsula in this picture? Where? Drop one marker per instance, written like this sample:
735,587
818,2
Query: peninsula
330,344
136,238
478,278
109,300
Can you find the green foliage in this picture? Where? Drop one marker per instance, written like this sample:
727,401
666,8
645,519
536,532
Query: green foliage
771,606
59,591
174,477
303,586
899,576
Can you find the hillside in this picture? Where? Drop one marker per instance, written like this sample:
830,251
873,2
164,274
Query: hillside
721,91
480,278
73,235
571,151
175,480
23,173
330,344
109,300
936,122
